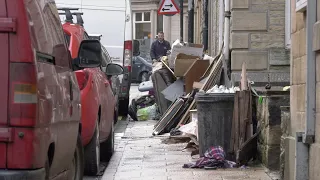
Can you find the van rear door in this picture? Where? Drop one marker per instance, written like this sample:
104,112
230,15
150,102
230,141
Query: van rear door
6,27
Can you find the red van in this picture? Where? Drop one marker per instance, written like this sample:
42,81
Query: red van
40,108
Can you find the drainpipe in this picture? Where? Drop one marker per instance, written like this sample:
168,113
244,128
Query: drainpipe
181,21
191,21
308,137
305,139
221,18
205,25
227,16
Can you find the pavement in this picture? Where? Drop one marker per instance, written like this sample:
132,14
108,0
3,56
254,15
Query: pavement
141,156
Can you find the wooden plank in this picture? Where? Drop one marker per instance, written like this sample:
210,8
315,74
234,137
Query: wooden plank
217,57
163,59
242,115
248,149
237,122
166,119
249,114
233,127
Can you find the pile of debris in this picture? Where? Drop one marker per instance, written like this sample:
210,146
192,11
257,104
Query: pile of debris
190,73
176,81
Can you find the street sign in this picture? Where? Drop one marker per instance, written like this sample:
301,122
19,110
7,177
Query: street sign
168,7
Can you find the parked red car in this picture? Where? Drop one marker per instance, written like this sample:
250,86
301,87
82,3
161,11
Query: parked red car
40,125
97,98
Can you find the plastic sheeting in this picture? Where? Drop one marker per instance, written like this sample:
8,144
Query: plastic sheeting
147,113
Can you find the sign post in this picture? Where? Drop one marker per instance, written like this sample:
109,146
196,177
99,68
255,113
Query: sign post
181,21
168,7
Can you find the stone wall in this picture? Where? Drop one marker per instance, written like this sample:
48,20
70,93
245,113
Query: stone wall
298,85
258,37
269,120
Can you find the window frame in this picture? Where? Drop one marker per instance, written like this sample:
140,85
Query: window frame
142,13
301,5
140,22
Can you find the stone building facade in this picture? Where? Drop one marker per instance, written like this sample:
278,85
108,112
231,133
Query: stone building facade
147,23
258,37
298,99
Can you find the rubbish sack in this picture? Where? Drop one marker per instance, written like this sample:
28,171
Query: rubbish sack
142,102
133,110
147,113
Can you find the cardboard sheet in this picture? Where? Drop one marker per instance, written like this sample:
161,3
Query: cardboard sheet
190,49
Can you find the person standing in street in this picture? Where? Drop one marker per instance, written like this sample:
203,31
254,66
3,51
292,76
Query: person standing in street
159,48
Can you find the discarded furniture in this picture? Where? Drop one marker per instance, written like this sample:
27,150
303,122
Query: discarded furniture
162,79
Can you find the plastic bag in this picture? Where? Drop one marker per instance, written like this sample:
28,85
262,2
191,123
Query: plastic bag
147,113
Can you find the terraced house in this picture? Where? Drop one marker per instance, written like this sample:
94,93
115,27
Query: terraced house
303,142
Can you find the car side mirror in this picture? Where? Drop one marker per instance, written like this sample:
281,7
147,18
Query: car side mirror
114,69
90,54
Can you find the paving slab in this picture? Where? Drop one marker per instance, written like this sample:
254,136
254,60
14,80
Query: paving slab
139,155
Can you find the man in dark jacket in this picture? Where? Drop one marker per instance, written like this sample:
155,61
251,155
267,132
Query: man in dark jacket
159,47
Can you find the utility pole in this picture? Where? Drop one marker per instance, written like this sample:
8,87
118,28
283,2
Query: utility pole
191,21
205,25
181,21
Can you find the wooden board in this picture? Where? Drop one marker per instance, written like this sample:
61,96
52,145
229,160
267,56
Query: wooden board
169,115
242,120
247,150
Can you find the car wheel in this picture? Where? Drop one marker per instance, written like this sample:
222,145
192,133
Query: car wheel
123,107
77,165
107,147
92,154
144,77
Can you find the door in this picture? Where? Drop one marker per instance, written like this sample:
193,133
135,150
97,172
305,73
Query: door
4,76
58,92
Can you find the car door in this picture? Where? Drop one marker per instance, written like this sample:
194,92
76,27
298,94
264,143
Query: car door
100,85
59,96
109,97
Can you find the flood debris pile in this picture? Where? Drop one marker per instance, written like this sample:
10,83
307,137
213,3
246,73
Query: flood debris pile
197,104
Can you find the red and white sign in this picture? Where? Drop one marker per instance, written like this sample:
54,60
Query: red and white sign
168,7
